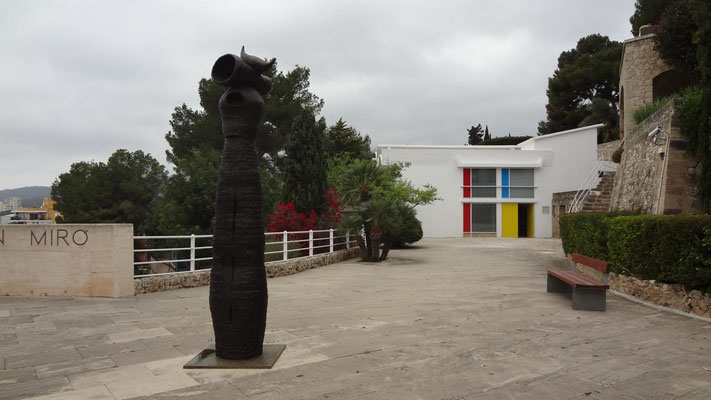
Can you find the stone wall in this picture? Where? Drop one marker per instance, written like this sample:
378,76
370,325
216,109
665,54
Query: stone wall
202,278
561,204
656,177
640,64
94,260
290,267
638,176
605,150
674,296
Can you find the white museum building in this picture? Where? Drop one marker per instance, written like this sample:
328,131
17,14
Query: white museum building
501,191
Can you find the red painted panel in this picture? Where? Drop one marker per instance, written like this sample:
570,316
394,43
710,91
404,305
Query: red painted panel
467,218
467,181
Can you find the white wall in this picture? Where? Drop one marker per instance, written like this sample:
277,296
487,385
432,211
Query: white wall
574,155
561,162
438,168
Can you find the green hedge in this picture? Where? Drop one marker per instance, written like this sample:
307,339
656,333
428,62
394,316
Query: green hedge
671,249
586,233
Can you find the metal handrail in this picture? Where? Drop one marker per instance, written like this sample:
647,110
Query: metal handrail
600,166
285,238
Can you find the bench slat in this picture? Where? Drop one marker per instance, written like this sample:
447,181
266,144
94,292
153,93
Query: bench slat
578,279
603,266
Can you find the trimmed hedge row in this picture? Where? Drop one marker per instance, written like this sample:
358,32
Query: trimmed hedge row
671,249
586,233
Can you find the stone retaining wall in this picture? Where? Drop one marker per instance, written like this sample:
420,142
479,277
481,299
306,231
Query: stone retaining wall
638,177
202,278
561,205
663,294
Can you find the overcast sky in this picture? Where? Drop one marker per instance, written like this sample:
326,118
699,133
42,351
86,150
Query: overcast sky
80,79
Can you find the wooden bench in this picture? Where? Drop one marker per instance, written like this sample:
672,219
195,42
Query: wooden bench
588,282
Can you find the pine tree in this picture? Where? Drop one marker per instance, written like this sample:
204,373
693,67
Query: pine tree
584,88
344,141
305,170
487,136
476,135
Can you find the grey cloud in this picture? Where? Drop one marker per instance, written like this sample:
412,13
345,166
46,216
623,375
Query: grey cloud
83,78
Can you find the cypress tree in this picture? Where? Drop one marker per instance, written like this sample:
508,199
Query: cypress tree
305,169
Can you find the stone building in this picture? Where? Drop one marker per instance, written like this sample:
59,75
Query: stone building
656,173
644,78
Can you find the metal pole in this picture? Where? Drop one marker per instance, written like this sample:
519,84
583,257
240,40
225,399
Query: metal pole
285,247
311,242
192,252
348,239
330,241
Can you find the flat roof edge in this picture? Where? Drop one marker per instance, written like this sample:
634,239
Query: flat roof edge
556,134
448,147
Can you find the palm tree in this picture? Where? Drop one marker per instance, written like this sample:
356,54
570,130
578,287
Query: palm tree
380,206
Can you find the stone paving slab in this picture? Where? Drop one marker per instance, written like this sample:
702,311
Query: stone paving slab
450,319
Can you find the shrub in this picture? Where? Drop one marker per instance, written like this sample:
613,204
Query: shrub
410,230
689,110
617,155
671,249
286,218
645,110
586,233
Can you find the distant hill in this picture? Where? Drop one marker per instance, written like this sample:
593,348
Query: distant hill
31,196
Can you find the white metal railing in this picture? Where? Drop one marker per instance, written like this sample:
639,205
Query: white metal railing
590,182
279,246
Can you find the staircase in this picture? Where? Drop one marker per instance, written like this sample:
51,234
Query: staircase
598,199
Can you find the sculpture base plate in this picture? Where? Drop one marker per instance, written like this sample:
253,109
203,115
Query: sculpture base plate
208,359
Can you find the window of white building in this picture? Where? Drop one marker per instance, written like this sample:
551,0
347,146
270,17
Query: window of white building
483,218
483,182
517,183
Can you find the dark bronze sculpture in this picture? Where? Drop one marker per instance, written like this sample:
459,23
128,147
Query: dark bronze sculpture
238,285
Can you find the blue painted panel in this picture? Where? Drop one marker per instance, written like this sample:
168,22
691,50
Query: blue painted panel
505,183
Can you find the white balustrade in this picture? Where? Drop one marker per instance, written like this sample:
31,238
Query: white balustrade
279,246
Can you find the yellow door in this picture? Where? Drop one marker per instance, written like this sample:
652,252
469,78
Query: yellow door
509,220
529,214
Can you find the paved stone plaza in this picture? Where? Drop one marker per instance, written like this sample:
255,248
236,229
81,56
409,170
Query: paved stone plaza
452,319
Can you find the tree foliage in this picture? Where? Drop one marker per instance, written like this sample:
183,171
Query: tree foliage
675,37
475,135
702,37
122,190
305,170
487,135
647,12
289,96
188,204
196,140
381,206
344,141
584,88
